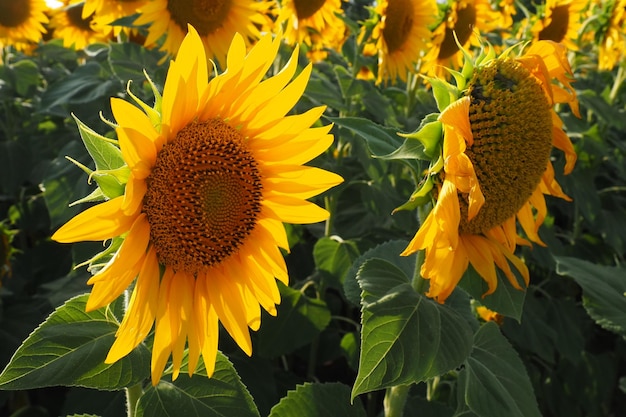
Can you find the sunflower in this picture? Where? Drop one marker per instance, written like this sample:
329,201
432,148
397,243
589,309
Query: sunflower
68,24
314,23
106,12
216,22
494,167
461,18
22,21
215,168
559,21
400,36
607,32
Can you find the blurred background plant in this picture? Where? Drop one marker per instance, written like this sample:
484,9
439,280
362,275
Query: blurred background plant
558,346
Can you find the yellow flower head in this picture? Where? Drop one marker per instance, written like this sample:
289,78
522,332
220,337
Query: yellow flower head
401,36
77,32
494,167
559,21
607,32
216,21
215,168
314,23
22,21
461,19
105,12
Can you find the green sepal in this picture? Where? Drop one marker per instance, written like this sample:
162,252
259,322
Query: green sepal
420,197
95,196
105,154
111,171
429,134
444,92
111,182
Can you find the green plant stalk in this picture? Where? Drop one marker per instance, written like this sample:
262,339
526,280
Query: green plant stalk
395,399
419,283
133,393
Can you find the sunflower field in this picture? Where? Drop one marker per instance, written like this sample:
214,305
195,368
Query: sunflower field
306,208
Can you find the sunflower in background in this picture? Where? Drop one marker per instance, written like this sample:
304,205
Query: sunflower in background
106,12
314,23
559,21
607,32
67,23
465,18
216,22
22,22
494,134
215,168
400,35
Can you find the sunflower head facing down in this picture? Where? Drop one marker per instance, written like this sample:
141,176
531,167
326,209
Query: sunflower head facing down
210,174
215,21
490,169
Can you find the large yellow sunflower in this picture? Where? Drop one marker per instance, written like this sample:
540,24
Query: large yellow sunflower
77,32
216,22
494,168
22,21
314,23
463,18
559,21
216,167
401,36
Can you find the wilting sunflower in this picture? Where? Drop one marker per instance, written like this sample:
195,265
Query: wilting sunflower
216,22
105,12
559,21
464,19
68,24
400,36
495,139
22,21
314,23
216,167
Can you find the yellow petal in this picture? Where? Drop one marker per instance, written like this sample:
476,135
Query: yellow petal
139,317
165,331
229,306
100,222
289,209
300,181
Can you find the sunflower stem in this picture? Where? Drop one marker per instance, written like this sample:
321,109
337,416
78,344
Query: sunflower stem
395,399
619,78
419,282
133,393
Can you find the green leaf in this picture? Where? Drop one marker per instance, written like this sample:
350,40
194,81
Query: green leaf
315,400
69,348
222,395
604,291
389,251
494,382
381,140
335,256
26,77
406,337
300,317
506,299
